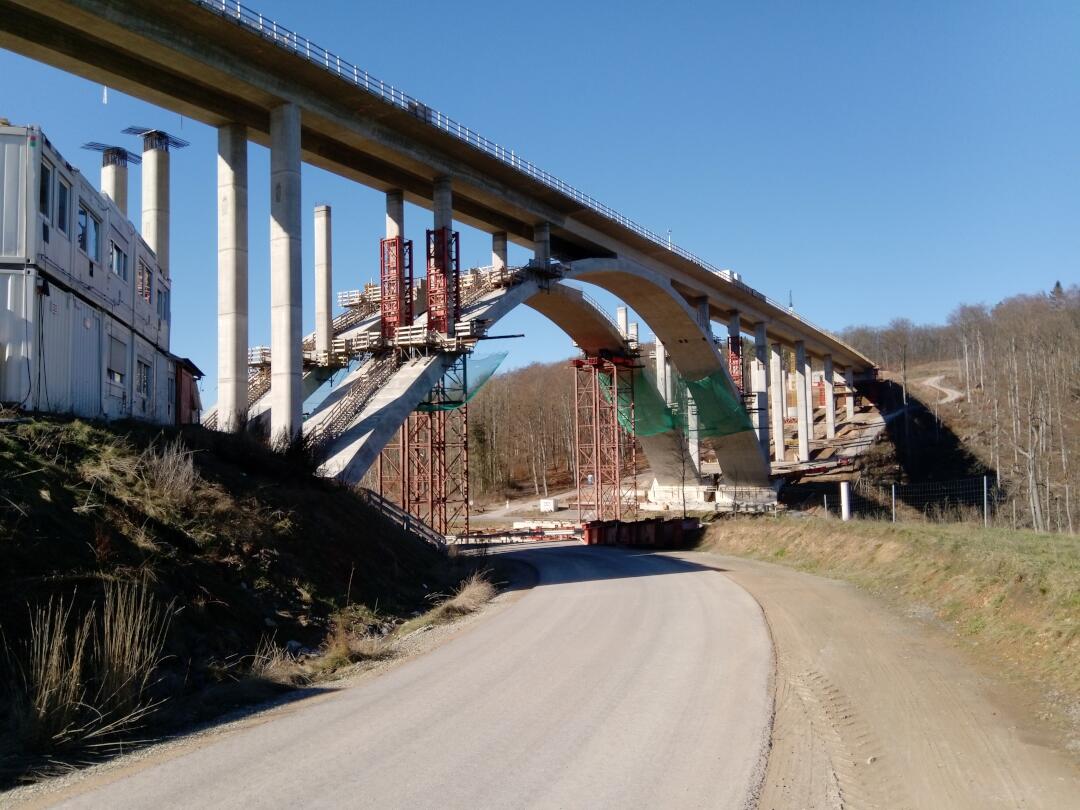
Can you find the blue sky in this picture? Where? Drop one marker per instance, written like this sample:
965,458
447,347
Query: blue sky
878,160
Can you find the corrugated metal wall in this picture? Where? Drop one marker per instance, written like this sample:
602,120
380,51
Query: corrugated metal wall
54,359
86,362
14,375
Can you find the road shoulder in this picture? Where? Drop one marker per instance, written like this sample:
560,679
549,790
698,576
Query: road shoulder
876,708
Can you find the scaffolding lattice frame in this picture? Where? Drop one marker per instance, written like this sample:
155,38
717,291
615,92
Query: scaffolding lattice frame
443,280
605,444
396,284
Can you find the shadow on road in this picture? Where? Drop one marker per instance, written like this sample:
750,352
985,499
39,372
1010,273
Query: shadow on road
563,563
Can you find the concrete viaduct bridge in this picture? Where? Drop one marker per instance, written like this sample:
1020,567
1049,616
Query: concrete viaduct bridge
221,63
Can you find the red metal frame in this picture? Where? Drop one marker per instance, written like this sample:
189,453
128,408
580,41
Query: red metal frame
606,451
444,280
735,362
425,470
396,276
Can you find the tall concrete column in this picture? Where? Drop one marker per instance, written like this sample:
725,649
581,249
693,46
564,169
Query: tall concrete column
662,371
802,371
761,386
849,381
324,281
498,251
542,244
443,203
286,274
779,398
830,399
395,214
704,317
155,196
232,277
622,317
114,177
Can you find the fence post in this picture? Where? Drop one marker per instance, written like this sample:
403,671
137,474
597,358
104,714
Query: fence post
845,500
894,503
986,503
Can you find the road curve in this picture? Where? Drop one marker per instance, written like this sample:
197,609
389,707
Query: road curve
621,679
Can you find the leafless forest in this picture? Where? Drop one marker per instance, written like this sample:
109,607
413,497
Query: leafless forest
1018,366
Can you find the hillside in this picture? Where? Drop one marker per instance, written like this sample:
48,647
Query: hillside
206,551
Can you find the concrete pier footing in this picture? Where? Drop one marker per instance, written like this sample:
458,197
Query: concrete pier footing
802,396
324,270
232,198
286,277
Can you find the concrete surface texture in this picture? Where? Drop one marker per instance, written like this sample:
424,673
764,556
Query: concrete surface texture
619,680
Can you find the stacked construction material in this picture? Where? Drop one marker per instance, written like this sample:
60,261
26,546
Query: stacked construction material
651,533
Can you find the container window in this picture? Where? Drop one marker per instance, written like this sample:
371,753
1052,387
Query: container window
63,196
142,379
118,261
117,360
45,191
144,281
89,228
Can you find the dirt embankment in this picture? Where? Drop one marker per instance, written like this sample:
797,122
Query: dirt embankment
239,558
1012,597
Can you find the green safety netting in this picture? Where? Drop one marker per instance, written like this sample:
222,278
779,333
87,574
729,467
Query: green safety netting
719,411
462,382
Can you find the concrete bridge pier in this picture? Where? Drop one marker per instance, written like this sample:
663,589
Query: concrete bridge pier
779,399
155,196
324,270
663,373
542,244
760,382
395,214
802,391
849,381
830,398
286,279
114,177
232,197
498,251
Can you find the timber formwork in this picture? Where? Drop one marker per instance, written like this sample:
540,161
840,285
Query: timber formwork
605,444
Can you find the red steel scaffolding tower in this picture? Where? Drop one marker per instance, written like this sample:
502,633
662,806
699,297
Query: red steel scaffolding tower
606,448
735,364
396,276
444,280
425,469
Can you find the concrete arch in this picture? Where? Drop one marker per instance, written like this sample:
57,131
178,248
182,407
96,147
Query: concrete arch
352,454
677,325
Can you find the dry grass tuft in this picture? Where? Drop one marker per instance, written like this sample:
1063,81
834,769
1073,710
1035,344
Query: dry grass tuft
274,664
82,682
473,593
169,473
345,645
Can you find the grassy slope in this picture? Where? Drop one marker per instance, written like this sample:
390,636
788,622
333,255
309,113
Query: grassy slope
247,545
1015,593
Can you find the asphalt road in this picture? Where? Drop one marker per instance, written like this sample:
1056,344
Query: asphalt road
619,680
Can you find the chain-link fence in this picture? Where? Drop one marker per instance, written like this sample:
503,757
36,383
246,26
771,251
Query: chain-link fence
965,500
